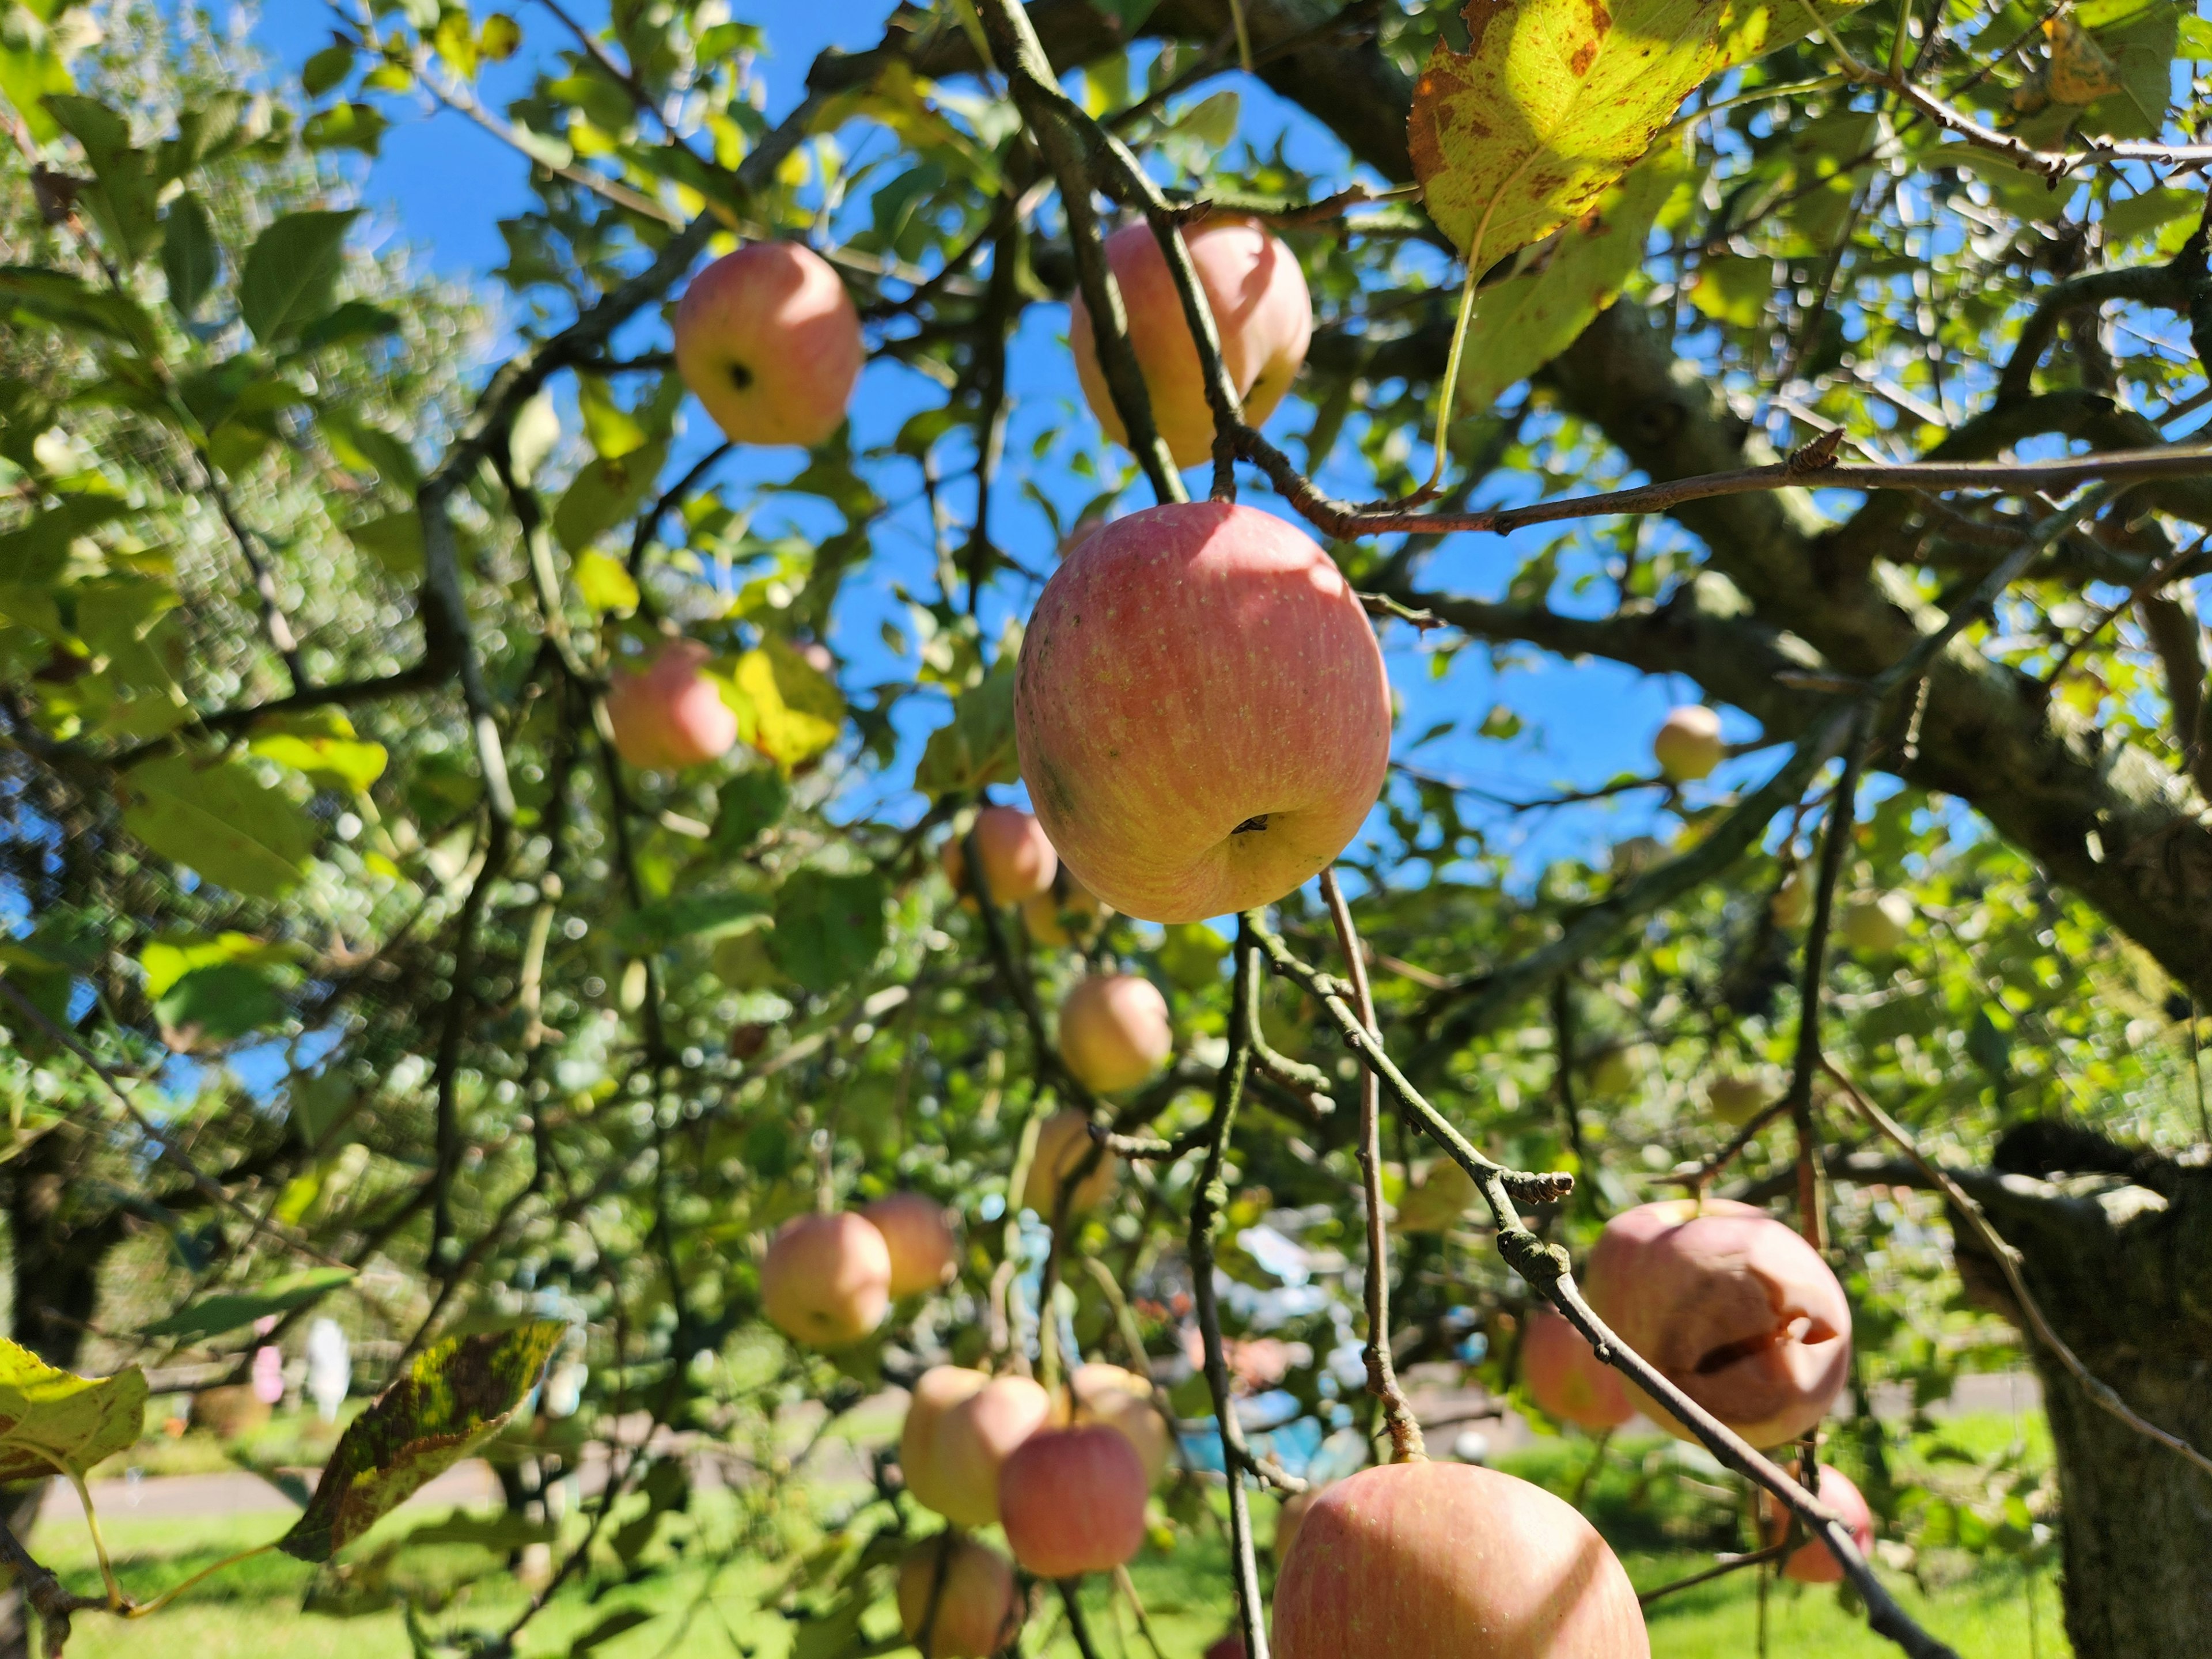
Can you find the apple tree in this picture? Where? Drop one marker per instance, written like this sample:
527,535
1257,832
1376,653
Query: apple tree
578,848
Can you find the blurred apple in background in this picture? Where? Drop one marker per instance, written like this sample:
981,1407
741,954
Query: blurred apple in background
972,1439
1565,1377
668,715
1018,860
1066,912
826,1281
918,1231
1813,1562
1688,746
1062,1144
1072,1501
964,1591
936,1392
1115,1031
1121,1400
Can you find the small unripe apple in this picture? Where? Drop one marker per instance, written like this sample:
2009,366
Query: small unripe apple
1261,312
973,1615
826,1281
1066,912
1289,1519
766,338
1072,1501
1877,923
1565,1377
1813,1562
1121,1400
1201,711
1688,746
1736,1097
1063,1142
1613,1074
919,1231
1115,1031
973,1439
1793,901
1729,1305
669,715
1018,857
936,1391
1427,1560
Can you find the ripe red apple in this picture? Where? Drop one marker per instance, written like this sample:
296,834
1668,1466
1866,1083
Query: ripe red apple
1565,1377
827,1279
1017,860
1876,923
1731,1306
919,1231
1449,1561
1063,1142
1201,710
766,338
1688,746
971,1440
973,1586
669,715
936,1391
1261,311
1072,1501
1813,1562
1121,1400
1115,1031
1065,914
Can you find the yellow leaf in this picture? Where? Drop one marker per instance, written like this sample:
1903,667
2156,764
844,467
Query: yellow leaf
786,708
604,583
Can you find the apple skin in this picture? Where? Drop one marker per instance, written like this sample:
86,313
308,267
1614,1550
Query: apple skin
1072,1500
1261,312
974,1617
936,1391
1565,1377
1063,1142
1115,1031
669,715
1018,860
766,338
1877,923
1430,1560
1201,711
1732,1307
1812,1562
972,1440
919,1231
826,1281
1231,1646
1121,1400
1688,746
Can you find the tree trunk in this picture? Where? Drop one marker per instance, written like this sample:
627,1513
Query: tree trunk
2118,1252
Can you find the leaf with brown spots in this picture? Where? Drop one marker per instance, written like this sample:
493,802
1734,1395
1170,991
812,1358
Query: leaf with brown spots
1554,100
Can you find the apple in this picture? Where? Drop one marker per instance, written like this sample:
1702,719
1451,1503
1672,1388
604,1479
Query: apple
1427,1560
919,1231
1063,1142
936,1391
1613,1074
1261,312
766,338
964,1591
1876,923
1731,1306
1121,1400
1813,1562
1019,861
1688,745
669,715
1066,912
1115,1031
1289,1519
1072,1500
1231,1646
827,1279
1737,1098
1565,1377
971,1439
1201,711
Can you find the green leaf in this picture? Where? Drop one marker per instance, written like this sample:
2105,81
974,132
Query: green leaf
36,553
708,915
221,820
168,959
122,198
346,126
604,583
1556,99
1734,289
190,258
320,742
787,709
292,272
748,804
602,495
976,746
828,928
355,319
500,39
613,431
215,1005
394,541
30,70
457,1394
56,297
209,130
211,1315
54,1420
326,69
613,1625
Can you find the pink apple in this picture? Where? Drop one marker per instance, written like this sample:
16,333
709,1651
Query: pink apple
1813,1562
1115,1031
670,716
1072,1501
972,1440
1063,1142
1121,1400
1018,860
919,1231
1261,308
1732,1307
827,1279
1201,710
1449,1561
1688,746
1566,1378
936,1392
766,338
964,1591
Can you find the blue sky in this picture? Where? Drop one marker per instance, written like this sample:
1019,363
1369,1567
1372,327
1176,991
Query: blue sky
443,185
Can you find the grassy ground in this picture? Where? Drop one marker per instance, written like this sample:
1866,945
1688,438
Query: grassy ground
251,1610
